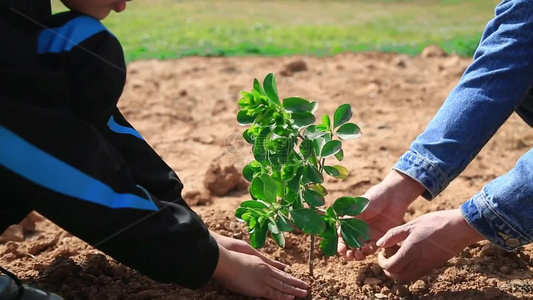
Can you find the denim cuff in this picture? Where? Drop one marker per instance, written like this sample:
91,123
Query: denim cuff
487,222
423,171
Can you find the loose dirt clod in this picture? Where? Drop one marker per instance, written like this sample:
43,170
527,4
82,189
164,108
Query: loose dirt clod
197,198
220,180
433,51
418,287
294,67
14,233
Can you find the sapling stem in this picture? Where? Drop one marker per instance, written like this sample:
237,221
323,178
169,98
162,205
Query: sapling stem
311,255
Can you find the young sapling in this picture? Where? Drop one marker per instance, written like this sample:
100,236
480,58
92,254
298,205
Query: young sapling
286,178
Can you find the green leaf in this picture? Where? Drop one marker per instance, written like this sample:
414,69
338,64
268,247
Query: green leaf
337,171
258,236
271,89
311,132
350,206
322,127
279,238
257,188
273,227
283,223
313,174
288,172
258,87
269,189
349,131
340,155
314,107
308,220
330,212
329,245
313,198
254,204
252,223
319,189
306,148
326,120
247,136
246,217
331,148
260,153
332,171
239,212
354,232
319,143
297,104
302,119
251,169
244,118
342,115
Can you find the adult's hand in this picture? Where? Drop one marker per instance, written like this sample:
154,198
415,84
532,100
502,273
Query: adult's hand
249,275
245,248
388,203
427,242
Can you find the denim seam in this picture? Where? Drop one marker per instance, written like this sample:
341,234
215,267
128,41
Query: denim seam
446,181
487,204
489,238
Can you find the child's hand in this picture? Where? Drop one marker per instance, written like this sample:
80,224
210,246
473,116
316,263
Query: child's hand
251,276
245,248
388,203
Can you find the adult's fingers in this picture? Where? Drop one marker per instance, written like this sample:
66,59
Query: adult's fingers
341,247
396,263
393,236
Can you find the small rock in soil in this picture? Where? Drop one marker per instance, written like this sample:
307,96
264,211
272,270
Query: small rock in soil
419,287
400,290
489,249
376,269
385,290
221,180
294,67
433,51
197,198
14,233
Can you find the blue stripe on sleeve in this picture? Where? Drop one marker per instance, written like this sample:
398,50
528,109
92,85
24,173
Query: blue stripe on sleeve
66,37
114,126
37,166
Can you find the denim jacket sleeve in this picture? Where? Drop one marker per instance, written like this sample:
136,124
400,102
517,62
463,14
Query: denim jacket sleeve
488,93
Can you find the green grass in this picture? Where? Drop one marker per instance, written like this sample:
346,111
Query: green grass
171,28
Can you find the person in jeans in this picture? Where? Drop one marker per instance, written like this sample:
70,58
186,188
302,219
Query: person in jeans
67,152
494,86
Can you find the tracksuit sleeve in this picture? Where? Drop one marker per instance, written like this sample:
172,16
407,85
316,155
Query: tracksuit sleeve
66,170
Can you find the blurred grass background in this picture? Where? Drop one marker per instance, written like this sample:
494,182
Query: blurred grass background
172,28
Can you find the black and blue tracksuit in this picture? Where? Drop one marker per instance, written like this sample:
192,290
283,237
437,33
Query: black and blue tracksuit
67,152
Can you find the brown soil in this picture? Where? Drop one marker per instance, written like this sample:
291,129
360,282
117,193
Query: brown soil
186,110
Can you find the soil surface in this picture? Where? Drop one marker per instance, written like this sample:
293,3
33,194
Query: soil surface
186,110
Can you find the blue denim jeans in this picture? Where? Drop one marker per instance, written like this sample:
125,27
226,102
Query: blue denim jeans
492,88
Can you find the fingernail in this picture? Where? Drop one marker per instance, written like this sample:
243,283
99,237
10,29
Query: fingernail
380,243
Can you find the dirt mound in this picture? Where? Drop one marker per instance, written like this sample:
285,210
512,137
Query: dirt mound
433,51
186,110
